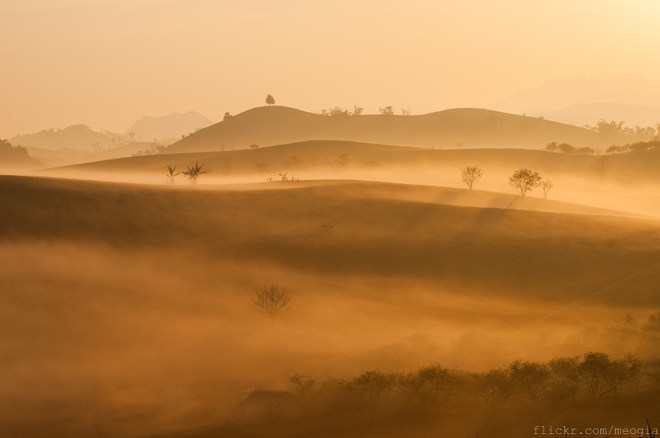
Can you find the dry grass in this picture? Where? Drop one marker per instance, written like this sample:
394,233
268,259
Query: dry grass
127,310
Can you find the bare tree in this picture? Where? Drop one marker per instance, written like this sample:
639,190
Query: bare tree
406,111
546,186
230,163
272,300
470,175
171,173
525,180
295,162
194,172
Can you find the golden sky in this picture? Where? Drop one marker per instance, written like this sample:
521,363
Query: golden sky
106,63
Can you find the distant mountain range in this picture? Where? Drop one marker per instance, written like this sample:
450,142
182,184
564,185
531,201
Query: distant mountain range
80,143
171,126
79,137
589,114
450,129
463,128
560,94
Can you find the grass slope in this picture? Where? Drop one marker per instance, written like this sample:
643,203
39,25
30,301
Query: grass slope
470,128
324,159
493,250
126,310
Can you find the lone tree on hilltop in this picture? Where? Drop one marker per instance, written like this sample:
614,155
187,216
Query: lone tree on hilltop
194,172
470,175
270,100
272,300
525,180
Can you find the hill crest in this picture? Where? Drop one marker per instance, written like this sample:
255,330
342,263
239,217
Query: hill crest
448,129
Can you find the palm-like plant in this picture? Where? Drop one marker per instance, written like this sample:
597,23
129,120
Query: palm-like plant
193,172
171,174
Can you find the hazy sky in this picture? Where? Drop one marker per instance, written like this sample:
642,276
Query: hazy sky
106,63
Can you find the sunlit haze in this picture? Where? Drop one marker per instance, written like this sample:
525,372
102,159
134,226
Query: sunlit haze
359,219
106,63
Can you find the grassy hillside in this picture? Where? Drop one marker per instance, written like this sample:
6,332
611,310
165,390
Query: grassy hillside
126,310
399,230
340,159
465,128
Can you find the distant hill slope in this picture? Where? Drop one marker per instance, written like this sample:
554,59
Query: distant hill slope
457,128
590,113
80,137
341,159
16,159
66,157
171,126
491,251
560,93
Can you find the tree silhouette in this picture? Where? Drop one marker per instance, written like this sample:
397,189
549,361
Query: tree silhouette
525,180
470,175
546,186
193,172
270,100
171,174
386,111
272,300
531,377
15,155
592,371
435,383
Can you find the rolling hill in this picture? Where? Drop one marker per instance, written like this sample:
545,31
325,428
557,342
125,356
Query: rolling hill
341,159
371,220
127,309
590,113
451,129
423,232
